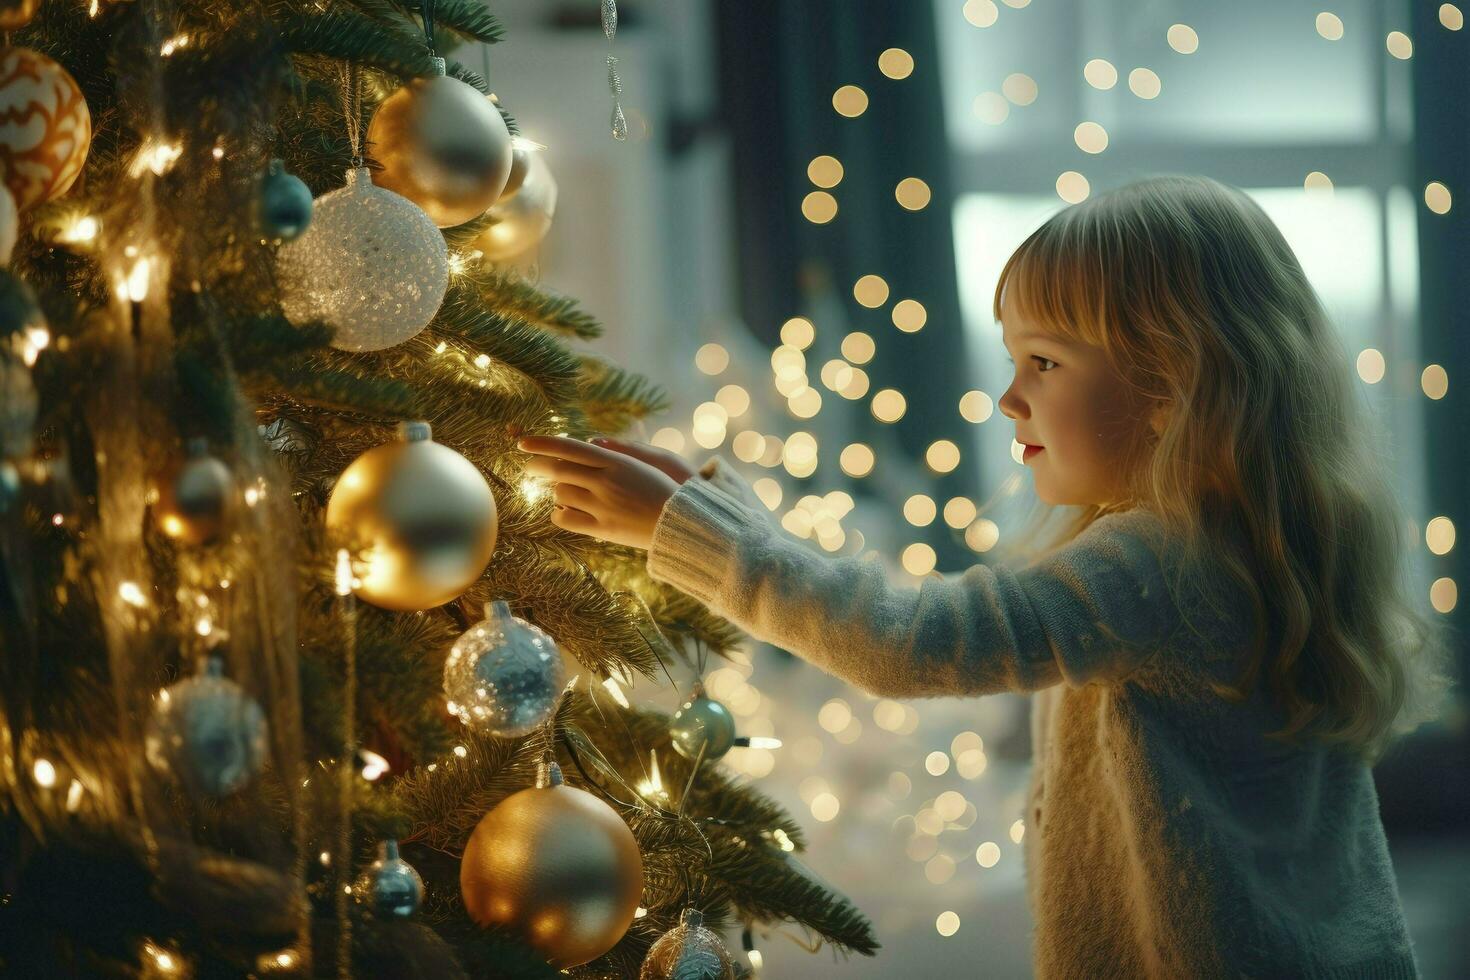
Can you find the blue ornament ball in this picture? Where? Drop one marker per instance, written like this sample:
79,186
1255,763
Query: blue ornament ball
702,722
503,675
207,732
284,203
390,886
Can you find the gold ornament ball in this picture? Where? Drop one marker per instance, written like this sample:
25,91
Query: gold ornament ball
195,497
419,517
521,221
558,867
15,14
45,128
520,161
444,146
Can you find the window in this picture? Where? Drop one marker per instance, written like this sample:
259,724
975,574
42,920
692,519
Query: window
1265,100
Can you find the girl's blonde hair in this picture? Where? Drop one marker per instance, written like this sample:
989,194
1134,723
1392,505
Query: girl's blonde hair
1264,462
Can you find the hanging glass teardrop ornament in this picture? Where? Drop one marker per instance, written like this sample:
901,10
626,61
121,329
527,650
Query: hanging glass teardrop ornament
615,84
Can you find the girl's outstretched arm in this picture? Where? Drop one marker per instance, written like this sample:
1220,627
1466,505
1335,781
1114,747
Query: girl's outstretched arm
1093,611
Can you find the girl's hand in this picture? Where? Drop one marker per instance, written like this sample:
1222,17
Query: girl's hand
609,495
673,464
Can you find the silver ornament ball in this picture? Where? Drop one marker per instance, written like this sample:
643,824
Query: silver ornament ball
390,886
371,265
688,951
207,732
19,405
503,675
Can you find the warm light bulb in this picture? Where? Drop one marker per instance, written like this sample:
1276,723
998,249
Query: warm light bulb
611,685
344,572
134,285
44,773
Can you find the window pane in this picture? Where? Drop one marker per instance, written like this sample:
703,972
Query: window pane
1262,72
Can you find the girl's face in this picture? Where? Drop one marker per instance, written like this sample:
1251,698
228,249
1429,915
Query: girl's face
1067,399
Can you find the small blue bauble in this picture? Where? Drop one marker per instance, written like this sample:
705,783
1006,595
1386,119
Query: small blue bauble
285,203
702,722
390,886
207,732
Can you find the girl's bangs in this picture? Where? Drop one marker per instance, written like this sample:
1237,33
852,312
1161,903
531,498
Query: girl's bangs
1052,285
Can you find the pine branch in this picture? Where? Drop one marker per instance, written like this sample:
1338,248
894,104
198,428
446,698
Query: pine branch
538,356
470,19
508,292
341,391
353,37
777,887
614,398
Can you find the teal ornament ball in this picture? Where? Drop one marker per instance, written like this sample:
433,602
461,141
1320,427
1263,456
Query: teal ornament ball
503,675
702,723
10,486
284,203
390,886
206,732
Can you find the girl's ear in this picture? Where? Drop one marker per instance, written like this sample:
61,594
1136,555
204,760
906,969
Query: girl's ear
1159,417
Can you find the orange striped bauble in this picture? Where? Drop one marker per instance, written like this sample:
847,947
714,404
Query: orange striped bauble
45,128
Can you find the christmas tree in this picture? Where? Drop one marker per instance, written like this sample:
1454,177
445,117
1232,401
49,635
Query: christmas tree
298,677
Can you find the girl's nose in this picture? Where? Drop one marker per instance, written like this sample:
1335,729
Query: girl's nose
1011,405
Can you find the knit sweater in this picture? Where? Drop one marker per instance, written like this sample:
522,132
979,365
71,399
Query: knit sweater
1167,838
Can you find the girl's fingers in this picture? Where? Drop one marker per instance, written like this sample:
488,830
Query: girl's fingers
563,447
661,459
572,519
649,454
571,495
564,471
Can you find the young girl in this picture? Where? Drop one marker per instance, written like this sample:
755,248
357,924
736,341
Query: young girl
1219,641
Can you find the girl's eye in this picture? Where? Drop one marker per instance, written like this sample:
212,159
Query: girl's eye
1037,357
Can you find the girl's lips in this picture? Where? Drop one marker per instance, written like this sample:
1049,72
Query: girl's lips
1030,451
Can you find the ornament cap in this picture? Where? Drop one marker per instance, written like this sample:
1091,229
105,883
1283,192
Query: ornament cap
388,850
359,175
276,166
441,68
549,774
196,447
213,666
418,431
499,609
692,918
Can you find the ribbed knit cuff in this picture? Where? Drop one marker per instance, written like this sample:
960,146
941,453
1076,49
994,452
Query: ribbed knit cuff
695,539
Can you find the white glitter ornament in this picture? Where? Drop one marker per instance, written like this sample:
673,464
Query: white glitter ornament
503,675
372,265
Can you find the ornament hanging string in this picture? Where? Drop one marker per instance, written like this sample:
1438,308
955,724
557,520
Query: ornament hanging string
426,12
352,109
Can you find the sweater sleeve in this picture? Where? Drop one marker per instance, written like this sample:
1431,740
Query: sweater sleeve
1093,611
